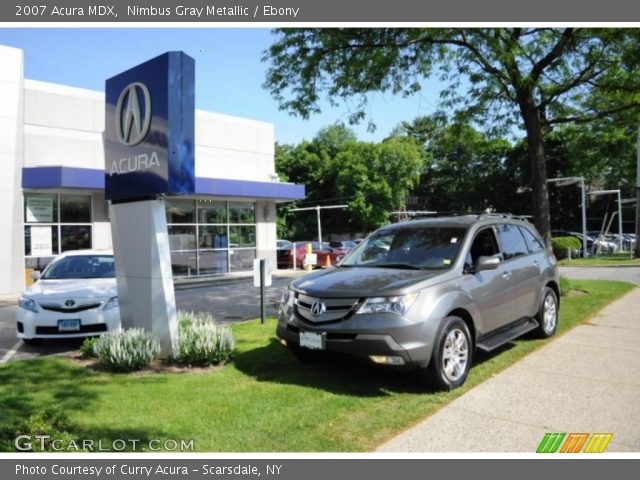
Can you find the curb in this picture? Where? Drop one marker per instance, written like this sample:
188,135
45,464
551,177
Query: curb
601,266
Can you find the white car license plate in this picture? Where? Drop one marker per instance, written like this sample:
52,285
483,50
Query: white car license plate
313,341
70,325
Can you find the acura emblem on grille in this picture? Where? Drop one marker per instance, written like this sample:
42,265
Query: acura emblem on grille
318,308
69,303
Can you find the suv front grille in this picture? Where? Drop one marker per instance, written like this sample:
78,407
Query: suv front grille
324,310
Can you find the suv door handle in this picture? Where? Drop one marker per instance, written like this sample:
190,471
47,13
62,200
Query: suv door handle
536,263
506,275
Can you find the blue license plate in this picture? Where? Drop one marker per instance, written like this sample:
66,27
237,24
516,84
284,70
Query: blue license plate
69,325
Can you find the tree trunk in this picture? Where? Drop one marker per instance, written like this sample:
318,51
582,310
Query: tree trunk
539,187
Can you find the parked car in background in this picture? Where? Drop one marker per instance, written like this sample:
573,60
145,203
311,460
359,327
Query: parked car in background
283,253
603,243
342,248
322,251
75,296
427,294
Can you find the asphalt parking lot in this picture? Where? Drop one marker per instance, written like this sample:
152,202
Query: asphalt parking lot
227,302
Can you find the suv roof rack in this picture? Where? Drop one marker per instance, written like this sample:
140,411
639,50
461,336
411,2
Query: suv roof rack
417,214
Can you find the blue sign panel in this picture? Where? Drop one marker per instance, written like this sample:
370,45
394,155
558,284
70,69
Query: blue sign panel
149,130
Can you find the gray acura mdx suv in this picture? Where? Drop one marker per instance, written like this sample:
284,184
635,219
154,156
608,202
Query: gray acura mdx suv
427,293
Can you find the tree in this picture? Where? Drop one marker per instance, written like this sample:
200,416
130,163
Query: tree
464,170
533,77
371,178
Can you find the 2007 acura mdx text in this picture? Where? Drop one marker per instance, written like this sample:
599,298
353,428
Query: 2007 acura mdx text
427,294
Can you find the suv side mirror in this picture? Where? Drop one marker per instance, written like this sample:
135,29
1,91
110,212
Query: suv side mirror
35,275
486,263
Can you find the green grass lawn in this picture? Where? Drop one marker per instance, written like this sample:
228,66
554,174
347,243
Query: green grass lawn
613,260
263,401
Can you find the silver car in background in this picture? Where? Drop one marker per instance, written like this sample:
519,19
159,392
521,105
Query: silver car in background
427,294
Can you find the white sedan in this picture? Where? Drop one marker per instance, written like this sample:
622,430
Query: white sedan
75,296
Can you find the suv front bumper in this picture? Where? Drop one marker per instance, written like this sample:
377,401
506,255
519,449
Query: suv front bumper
364,336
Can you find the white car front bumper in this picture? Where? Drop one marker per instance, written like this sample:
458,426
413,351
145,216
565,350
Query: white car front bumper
44,324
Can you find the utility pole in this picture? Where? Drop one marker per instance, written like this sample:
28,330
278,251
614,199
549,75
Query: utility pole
637,250
317,208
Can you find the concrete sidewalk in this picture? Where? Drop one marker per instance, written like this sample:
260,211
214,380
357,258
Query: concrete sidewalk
587,380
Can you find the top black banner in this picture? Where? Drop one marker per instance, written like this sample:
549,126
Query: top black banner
283,11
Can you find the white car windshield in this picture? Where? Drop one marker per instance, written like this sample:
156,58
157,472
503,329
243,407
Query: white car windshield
81,266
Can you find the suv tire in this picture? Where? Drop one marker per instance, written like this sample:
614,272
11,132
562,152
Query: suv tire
548,314
452,355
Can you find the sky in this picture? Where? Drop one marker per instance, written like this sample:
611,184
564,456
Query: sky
229,72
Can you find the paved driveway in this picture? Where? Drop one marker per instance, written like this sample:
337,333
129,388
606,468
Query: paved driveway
227,302
624,274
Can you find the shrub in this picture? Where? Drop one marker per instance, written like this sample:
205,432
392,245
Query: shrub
87,348
561,246
201,341
126,350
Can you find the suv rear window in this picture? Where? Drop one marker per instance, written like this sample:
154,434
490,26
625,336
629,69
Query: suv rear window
512,241
532,241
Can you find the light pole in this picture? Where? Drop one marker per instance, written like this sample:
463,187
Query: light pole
317,208
608,192
565,181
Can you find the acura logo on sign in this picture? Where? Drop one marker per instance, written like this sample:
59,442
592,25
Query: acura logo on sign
318,308
69,303
131,127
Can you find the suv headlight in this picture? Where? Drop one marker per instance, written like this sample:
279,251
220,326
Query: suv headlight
111,303
399,304
28,304
287,298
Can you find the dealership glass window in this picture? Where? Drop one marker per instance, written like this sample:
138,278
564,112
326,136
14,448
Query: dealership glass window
211,236
213,261
210,211
242,212
40,208
48,229
242,236
180,211
75,209
241,260
55,223
75,237
182,237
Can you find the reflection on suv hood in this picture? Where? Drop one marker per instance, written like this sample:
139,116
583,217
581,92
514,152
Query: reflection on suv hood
73,288
361,281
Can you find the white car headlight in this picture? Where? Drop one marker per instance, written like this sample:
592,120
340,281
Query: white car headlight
28,304
399,304
111,303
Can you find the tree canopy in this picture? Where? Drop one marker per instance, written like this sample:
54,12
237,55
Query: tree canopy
537,78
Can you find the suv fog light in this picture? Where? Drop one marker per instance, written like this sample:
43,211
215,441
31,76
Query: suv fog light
383,359
283,342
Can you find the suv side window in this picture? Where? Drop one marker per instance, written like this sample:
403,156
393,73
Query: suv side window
484,244
512,241
532,241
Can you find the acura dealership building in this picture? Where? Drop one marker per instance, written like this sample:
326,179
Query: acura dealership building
53,177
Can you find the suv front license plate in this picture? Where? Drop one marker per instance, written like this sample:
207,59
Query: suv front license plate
71,325
312,341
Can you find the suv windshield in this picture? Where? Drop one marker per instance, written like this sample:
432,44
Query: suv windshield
431,248
81,266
